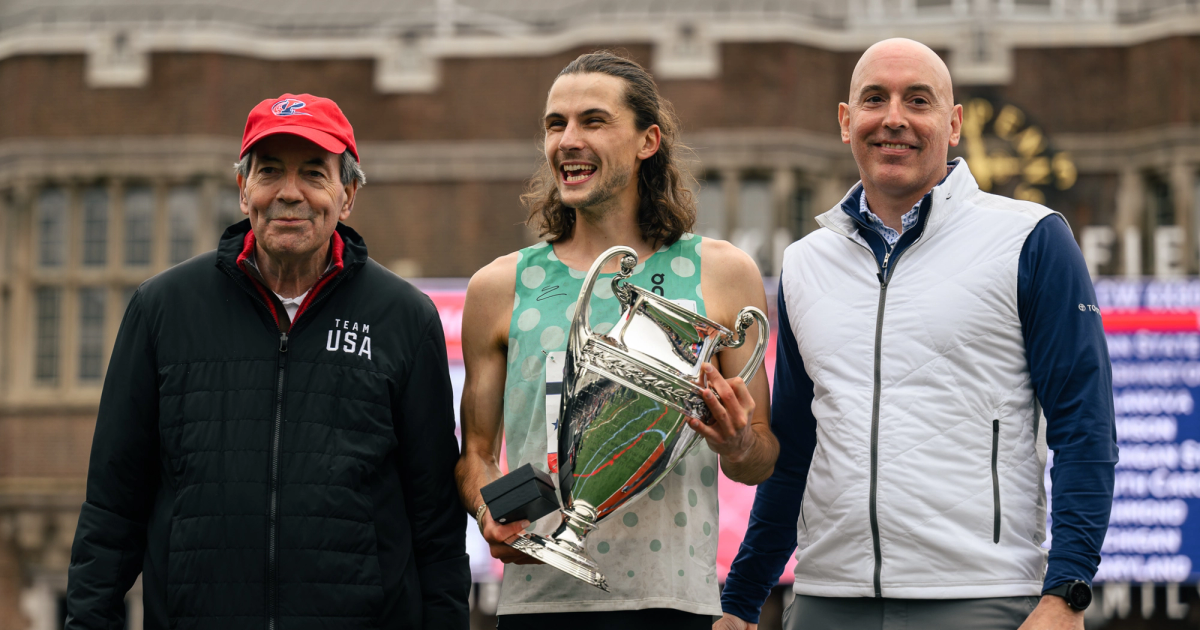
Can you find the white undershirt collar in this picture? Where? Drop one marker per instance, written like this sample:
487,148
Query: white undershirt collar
292,304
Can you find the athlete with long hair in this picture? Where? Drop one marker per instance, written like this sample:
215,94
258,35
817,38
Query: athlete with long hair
611,176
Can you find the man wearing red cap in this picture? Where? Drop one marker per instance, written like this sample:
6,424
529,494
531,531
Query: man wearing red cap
275,443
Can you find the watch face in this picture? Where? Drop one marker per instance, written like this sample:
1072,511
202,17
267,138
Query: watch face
1079,595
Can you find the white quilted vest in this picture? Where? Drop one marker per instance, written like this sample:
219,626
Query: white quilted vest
955,427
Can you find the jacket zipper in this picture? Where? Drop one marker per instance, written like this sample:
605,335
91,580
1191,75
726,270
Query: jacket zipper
272,555
273,490
995,482
884,276
273,521
273,508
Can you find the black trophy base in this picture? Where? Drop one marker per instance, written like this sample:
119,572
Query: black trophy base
523,494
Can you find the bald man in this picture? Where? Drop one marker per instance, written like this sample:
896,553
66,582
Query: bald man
923,331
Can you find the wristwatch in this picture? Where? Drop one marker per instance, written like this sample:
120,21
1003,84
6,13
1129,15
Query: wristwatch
1077,593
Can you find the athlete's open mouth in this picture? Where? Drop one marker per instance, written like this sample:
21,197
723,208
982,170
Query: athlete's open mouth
576,172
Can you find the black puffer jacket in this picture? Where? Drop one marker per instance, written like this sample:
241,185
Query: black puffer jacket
267,477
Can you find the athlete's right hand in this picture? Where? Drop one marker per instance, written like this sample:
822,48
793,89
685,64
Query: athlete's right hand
495,534
729,622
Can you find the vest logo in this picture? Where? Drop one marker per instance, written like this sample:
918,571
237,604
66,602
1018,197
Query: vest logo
1088,307
288,107
349,337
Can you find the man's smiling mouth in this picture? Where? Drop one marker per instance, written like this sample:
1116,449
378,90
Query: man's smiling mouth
576,173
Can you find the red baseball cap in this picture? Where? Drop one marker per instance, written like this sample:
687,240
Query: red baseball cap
311,117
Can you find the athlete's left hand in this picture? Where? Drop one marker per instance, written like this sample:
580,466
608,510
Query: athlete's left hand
730,435
1053,613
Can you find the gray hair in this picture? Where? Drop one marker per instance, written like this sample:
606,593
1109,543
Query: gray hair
351,171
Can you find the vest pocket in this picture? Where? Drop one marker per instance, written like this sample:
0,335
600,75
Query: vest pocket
995,482
802,538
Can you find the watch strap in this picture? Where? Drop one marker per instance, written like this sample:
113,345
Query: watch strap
1064,591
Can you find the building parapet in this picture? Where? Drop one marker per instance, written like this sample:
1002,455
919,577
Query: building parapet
408,41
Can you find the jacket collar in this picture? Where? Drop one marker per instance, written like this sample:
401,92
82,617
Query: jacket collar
348,253
959,184
234,243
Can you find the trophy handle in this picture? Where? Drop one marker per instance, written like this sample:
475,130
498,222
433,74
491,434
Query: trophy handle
581,329
745,318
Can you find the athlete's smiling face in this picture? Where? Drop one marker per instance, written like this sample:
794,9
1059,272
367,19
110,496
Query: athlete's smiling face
294,196
901,118
592,141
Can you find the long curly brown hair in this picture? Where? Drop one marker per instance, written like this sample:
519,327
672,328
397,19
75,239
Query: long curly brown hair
668,208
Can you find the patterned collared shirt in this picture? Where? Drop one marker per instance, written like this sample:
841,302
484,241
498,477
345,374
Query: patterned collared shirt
889,235
909,219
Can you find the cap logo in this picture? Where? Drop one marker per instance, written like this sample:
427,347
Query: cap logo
288,107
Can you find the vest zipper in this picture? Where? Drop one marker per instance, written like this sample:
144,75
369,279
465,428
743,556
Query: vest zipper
273,521
995,483
884,276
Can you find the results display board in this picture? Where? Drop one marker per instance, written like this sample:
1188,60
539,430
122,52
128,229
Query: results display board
1153,330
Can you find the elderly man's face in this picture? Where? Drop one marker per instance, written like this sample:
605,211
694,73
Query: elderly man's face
901,118
294,196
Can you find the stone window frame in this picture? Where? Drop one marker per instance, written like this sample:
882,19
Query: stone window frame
21,276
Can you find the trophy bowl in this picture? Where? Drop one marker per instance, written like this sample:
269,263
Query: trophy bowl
625,402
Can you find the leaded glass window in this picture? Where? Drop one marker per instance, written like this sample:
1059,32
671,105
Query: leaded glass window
95,226
91,333
182,205
48,302
52,227
139,225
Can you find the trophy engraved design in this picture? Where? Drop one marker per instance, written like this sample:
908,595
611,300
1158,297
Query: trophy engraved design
625,403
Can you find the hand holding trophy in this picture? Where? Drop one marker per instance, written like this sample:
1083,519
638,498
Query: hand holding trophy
626,402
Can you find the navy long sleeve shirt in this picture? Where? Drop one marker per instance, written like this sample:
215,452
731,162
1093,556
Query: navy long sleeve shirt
1072,378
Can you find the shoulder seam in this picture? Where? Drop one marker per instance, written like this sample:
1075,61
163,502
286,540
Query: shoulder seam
997,202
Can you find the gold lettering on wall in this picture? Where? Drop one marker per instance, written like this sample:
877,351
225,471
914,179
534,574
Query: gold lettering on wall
1002,149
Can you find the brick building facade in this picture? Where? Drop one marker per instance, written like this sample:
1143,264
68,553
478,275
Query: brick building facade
118,133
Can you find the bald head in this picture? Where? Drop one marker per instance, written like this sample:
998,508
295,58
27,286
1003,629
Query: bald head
920,58
900,122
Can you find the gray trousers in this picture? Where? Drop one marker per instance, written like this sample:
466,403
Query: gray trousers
865,613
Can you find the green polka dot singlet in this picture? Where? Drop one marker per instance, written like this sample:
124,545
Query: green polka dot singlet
657,552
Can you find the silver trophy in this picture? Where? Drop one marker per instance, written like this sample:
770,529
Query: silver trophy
625,403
